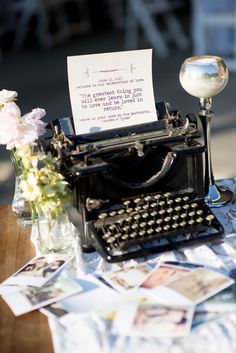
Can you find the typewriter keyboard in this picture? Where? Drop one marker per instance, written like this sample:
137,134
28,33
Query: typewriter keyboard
151,217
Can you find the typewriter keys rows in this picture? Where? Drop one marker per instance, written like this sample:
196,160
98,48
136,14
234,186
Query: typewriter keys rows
151,216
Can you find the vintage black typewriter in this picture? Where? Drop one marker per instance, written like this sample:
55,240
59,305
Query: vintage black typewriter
140,189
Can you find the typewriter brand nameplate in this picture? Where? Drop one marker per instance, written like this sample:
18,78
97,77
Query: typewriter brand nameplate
111,90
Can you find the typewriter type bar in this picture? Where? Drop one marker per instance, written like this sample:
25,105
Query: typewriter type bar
152,224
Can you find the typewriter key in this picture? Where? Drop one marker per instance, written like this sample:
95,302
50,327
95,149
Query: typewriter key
121,211
133,235
167,219
142,224
199,220
194,205
112,227
191,214
107,235
183,215
102,215
136,217
161,203
170,202
158,229
150,231
153,213
175,225
210,218
134,226
142,233
153,205
166,227
151,222
145,207
112,213
161,212
186,207
199,212
167,194
137,200
178,199
145,215
159,221
183,224
186,198
175,217
125,236
138,208
170,210
111,240
191,222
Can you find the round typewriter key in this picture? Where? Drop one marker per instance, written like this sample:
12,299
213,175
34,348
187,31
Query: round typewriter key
170,210
124,236
191,214
183,224
159,221
178,199
112,213
175,225
145,207
186,207
161,203
150,231
199,212
120,221
127,202
133,235
158,229
166,227
102,215
134,226
154,213
191,222
112,227
210,218
121,211
111,240
147,198
151,222
142,224
167,219
137,200
145,215
136,217
126,228
142,233
199,220
138,208
162,212
183,215
186,198
194,205
157,196
129,219
177,208
153,205
170,202
106,235
175,217
167,194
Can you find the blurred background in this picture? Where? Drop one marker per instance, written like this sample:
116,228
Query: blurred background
36,36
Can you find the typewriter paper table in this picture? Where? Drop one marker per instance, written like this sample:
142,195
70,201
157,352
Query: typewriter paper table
89,334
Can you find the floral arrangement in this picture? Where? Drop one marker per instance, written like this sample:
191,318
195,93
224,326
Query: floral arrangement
41,183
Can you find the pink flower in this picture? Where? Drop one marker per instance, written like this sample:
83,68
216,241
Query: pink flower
17,131
7,96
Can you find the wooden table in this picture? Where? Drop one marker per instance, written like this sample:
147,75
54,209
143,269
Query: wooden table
30,332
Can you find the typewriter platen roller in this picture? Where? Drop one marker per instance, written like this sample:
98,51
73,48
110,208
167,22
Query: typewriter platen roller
140,190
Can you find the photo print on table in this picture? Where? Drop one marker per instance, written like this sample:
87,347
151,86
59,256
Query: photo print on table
33,298
128,277
148,318
38,271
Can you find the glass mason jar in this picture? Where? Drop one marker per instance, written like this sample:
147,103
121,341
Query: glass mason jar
55,235
20,206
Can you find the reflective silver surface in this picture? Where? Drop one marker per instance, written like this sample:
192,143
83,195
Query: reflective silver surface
203,76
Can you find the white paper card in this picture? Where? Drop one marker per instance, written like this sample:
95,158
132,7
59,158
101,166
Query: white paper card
111,90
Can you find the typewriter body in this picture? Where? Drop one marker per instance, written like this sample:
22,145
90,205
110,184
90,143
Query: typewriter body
140,189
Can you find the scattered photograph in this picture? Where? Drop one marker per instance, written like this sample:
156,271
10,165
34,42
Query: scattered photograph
150,319
33,298
38,271
200,284
164,274
127,278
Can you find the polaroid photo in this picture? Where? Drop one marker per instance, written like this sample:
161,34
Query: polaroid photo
95,296
38,271
33,298
128,277
151,319
200,284
163,274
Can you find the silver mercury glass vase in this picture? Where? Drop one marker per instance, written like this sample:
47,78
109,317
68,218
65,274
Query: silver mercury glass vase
204,77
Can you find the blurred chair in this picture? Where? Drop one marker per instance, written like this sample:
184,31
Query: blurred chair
214,29
142,13
19,14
